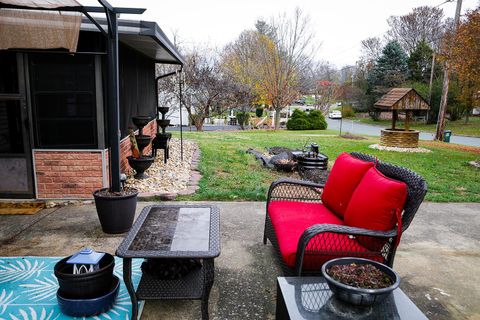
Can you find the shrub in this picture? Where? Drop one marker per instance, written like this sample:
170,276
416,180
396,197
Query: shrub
301,120
298,124
259,112
243,118
317,120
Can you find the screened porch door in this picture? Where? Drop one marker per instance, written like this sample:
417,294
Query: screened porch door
16,178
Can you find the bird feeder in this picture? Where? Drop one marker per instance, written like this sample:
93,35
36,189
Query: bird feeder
401,100
85,261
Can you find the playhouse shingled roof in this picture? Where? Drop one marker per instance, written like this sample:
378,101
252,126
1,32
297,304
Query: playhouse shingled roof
402,99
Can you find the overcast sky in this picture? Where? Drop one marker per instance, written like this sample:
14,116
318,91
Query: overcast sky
339,25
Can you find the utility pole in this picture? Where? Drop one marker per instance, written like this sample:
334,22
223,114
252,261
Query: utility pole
446,77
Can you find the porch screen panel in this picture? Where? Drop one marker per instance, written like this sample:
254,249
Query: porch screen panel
137,87
63,99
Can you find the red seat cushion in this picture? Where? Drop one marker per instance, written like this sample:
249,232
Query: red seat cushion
346,174
375,202
290,219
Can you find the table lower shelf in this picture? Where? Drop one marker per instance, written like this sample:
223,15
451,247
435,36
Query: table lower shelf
189,287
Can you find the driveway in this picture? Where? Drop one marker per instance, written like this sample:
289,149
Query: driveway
356,127
438,258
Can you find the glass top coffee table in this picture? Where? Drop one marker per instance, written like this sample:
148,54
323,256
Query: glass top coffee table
172,232
311,298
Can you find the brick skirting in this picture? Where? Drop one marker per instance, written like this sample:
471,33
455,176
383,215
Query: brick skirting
75,174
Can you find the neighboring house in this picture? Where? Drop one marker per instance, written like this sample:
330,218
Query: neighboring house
53,123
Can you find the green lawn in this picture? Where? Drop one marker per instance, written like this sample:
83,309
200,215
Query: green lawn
472,128
229,173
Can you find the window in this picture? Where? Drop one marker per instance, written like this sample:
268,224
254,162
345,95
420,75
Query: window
8,72
63,100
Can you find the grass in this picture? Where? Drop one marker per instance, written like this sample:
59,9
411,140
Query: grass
229,173
472,128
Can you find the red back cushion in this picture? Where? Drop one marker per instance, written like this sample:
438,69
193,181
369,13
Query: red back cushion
346,174
375,201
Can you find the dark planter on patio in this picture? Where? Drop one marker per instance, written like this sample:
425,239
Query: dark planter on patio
85,285
360,296
116,212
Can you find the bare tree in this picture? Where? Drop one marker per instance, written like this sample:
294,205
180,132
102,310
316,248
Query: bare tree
239,67
282,57
204,92
422,24
326,92
371,48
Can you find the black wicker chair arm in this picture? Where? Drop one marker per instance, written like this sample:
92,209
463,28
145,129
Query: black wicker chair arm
293,189
317,229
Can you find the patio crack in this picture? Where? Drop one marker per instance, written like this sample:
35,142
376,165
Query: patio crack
39,217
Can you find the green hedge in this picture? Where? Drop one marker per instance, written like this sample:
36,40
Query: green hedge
300,120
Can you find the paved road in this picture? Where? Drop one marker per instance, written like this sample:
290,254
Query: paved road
356,127
350,126
206,127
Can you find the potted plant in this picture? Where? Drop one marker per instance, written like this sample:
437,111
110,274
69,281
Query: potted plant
360,281
116,210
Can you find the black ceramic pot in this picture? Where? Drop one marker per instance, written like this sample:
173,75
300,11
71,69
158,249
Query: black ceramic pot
163,110
360,296
140,165
141,121
85,285
116,213
142,141
163,123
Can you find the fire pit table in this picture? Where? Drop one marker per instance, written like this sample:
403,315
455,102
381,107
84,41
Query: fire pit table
173,232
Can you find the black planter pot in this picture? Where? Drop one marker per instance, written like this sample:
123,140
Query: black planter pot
141,121
163,110
116,213
86,285
140,165
142,141
360,296
163,123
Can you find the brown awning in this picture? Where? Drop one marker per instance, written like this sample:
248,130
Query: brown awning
29,29
46,4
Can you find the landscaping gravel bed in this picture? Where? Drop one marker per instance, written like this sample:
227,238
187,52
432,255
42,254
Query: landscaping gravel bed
169,178
396,149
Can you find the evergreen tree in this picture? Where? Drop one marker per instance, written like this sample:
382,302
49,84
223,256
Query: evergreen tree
390,70
420,63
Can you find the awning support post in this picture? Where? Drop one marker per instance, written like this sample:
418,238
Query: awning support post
113,108
180,110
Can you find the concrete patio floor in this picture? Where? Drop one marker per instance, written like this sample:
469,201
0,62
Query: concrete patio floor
438,258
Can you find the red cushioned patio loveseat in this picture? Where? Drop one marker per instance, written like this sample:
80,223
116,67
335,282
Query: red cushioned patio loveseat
361,211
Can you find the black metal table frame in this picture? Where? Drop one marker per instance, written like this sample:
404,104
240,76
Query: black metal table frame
208,268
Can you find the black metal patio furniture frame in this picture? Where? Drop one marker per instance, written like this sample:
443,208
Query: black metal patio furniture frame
305,191
146,240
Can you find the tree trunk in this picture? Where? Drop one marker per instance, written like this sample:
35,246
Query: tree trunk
277,118
467,116
198,123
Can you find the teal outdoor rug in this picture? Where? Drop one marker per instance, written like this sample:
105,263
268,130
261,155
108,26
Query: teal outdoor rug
28,290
